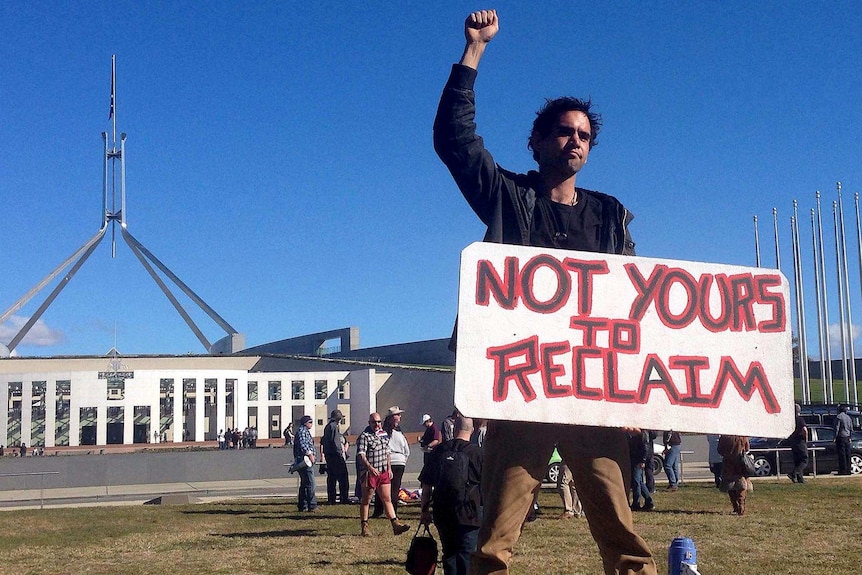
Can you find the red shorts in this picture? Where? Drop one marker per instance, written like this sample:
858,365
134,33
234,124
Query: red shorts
374,481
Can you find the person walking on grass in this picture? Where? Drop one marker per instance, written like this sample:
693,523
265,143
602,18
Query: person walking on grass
372,453
733,479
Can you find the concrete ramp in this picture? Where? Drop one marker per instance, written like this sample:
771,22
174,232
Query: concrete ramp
173,499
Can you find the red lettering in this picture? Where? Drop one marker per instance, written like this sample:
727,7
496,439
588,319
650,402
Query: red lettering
551,371
615,394
738,295
488,282
585,271
579,377
714,324
743,303
560,296
625,336
663,380
646,289
692,366
590,326
775,300
754,380
683,279
514,362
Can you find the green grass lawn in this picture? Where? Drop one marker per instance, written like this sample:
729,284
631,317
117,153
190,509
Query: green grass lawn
810,529
816,388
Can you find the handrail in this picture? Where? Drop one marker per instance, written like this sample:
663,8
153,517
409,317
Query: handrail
778,458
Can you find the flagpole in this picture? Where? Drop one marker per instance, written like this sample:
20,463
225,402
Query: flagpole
113,113
842,318
800,304
859,247
829,398
775,230
818,298
756,244
847,307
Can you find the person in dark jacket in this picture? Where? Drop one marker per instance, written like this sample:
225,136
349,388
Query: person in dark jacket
457,521
798,442
543,208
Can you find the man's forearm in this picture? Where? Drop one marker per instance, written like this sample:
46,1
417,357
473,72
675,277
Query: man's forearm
473,54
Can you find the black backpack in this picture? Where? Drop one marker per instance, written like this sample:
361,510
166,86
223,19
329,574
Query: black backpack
450,492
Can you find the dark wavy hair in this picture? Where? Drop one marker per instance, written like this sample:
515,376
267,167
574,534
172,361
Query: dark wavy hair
550,112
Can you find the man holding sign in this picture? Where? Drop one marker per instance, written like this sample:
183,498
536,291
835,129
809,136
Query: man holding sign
543,208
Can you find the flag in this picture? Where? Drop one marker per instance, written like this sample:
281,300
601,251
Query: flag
113,76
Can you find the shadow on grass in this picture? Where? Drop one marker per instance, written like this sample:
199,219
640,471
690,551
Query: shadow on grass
264,534
218,512
681,512
379,562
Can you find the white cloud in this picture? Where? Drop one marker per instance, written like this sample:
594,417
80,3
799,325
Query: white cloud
834,333
40,335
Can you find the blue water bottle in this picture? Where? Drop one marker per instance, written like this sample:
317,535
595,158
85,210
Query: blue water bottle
682,551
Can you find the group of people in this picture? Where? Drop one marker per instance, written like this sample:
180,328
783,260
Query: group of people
236,439
450,476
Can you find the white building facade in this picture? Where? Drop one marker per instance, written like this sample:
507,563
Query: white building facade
53,402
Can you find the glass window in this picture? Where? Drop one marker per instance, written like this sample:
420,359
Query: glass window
38,392
343,389
252,391
275,391
64,388
297,389
825,434
320,389
210,391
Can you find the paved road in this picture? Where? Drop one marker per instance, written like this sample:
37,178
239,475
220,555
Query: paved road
133,478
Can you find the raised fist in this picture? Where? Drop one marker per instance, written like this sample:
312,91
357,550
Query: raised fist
481,26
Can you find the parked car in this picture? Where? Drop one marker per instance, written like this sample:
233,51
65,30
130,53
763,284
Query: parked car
821,445
825,413
553,471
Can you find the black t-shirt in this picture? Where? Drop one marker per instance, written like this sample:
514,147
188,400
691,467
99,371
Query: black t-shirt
568,227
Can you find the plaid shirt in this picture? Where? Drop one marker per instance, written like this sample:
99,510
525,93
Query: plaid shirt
304,444
376,449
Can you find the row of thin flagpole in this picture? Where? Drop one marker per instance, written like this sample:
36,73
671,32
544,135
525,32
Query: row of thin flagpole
822,287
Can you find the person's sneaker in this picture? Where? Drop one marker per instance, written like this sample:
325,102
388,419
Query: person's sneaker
398,528
567,515
635,506
649,506
672,488
791,477
366,532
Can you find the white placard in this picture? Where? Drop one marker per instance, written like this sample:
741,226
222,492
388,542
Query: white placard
596,339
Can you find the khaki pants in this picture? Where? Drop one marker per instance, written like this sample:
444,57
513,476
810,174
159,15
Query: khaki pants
516,456
568,493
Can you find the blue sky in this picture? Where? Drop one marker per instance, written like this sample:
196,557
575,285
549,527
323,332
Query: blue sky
279,155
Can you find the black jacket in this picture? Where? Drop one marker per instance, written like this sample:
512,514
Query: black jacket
503,200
